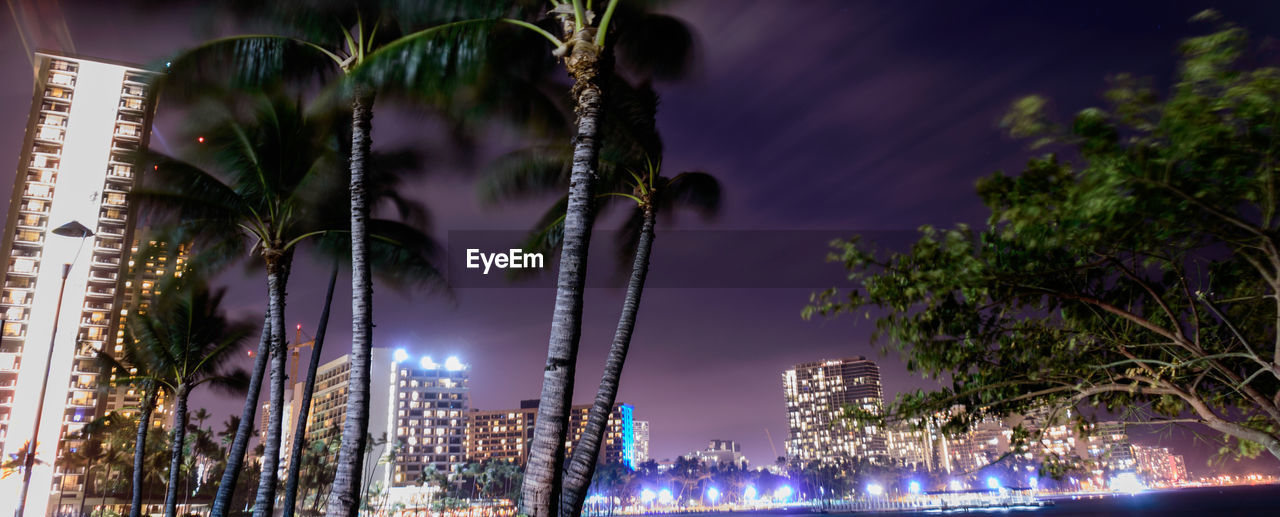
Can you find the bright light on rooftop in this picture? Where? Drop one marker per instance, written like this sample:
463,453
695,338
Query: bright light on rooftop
428,364
401,356
453,364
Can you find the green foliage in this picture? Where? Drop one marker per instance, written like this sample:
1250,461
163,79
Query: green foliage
1139,277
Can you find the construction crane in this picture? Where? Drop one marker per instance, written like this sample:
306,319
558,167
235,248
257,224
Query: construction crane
294,350
297,345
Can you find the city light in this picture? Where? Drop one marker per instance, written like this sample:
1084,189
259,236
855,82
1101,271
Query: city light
427,363
647,496
1126,482
401,356
664,497
713,495
453,364
993,483
1035,483
956,485
914,487
750,493
875,489
782,493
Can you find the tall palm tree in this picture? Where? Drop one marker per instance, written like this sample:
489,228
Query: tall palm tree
267,157
652,194
634,144
186,342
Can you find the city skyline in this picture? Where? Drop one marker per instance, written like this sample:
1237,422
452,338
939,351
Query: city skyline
675,351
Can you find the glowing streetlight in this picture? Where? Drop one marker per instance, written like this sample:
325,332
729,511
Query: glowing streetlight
664,497
750,493
1035,483
647,496
875,489
782,493
914,487
993,483
713,495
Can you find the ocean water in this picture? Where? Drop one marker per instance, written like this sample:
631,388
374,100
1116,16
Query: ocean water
1263,500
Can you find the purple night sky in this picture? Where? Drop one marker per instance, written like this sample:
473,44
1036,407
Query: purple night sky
816,115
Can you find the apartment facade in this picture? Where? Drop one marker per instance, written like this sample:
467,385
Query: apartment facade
817,394
87,118
640,430
429,417
506,434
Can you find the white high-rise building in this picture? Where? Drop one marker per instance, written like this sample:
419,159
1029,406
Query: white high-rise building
640,428
87,117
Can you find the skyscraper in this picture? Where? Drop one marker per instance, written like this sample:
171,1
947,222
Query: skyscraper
640,428
87,117
430,418
817,395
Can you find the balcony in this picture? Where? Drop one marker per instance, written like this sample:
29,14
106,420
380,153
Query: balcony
49,134
43,177
120,171
101,292
30,240
90,322
64,66
97,275
106,262
54,107
130,103
59,78
57,94
111,231
133,91
31,222
114,200
33,207
31,271
116,216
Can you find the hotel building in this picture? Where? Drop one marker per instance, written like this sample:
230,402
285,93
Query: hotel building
86,119
506,434
640,430
817,394
1158,466
141,282
430,419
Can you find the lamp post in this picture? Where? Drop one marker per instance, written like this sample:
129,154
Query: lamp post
71,229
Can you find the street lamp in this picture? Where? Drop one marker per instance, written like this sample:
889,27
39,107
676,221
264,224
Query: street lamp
71,229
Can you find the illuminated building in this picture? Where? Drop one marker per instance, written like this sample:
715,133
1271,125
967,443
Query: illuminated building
920,447
329,403
983,444
506,434
139,285
86,118
640,430
1108,445
430,407
720,452
817,394
1159,466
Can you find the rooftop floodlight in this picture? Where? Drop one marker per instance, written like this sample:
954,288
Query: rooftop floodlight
401,356
73,229
428,364
453,364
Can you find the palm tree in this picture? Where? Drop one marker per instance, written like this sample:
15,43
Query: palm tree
186,342
268,157
335,37
652,194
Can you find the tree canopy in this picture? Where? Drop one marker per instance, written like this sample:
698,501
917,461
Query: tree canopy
1134,269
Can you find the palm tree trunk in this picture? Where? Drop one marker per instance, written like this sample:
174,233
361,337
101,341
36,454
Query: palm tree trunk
304,407
240,444
277,271
175,451
540,492
582,466
140,449
344,497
